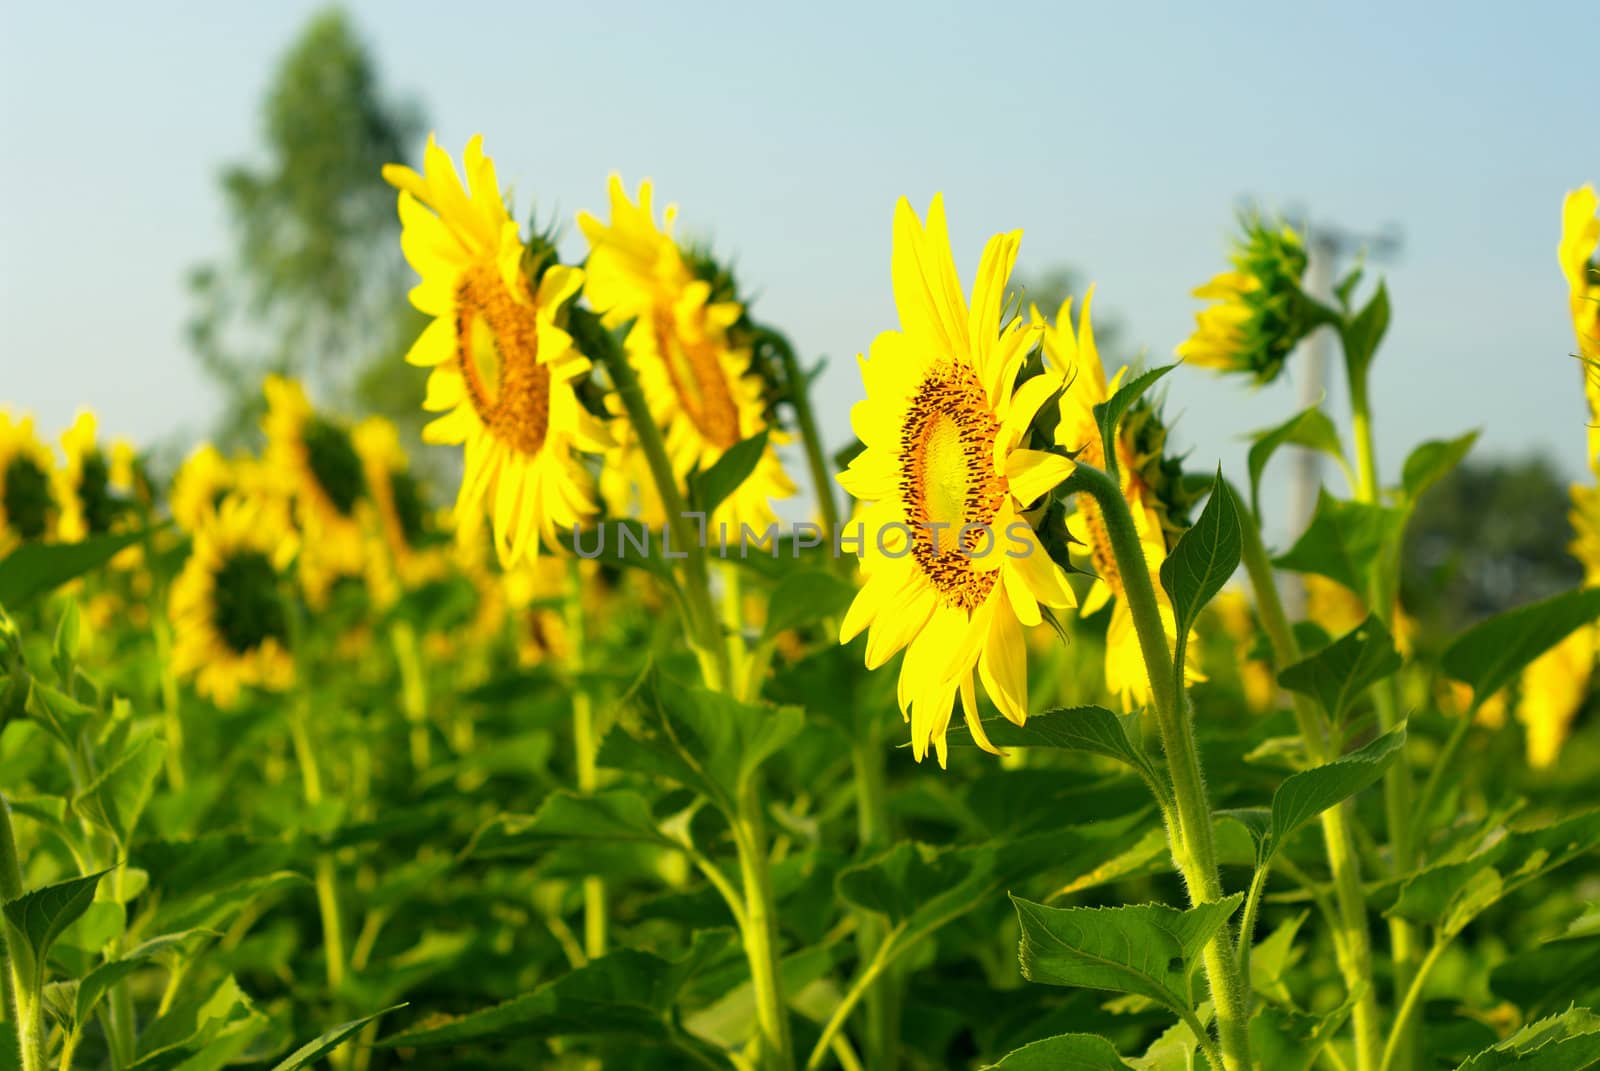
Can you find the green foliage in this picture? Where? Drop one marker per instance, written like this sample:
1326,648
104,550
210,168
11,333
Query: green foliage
1205,557
1064,1052
34,569
1310,428
1308,793
1337,675
1491,653
709,489
1345,541
1108,414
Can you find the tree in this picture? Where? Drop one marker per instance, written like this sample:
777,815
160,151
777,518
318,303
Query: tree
311,287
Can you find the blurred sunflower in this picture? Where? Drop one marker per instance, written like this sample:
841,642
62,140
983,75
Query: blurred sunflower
318,459
694,372
89,505
1554,687
206,477
400,513
943,422
1235,614
503,364
1077,359
1259,313
29,510
229,618
1580,236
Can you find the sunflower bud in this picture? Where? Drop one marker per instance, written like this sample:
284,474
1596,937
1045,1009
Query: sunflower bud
1259,312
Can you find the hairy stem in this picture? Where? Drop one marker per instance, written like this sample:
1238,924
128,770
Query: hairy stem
761,932
1193,845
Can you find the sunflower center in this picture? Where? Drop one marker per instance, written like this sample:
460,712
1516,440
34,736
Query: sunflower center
694,367
94,492
248,611
948,481
1105,562
334,463
497,346
406,495
27,498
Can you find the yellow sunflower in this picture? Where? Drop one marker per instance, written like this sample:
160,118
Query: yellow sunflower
1258,312
230,628
953,569
29,510
1580,236
1076,357
1554,687
694,372
503,365
318,459
89,502
205,477
1237,617
399,514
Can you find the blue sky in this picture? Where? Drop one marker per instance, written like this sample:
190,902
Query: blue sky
1119,137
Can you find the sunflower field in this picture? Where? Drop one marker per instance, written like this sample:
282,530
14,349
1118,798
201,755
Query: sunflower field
1010,743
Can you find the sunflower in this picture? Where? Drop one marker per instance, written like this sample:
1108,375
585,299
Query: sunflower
205,477
1554,687
692,367
228,615
89,502
953,569
1076,357
29,510
1236,616
503,365
318,459
1259,313
402,558
1580,236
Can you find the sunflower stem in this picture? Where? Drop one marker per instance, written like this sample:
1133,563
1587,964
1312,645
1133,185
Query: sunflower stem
1397,782
1193,846
799,397
761,931
1354,946
710,644
413,692
27,1006
326,880
585,753
882,994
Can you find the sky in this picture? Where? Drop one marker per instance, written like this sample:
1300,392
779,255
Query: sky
1120,138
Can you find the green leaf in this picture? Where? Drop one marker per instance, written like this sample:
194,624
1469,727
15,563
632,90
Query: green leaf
909,876
1566,1042
1256,821
1362,334
1309,428
1489,655
1274,954
202,1032
625,992
62,716
65,649
36,568
312,1051
1086,728
1147,949
804,596
612,815
1205,557
97,982
1305,795
708,489
1288,1040
216,909
34,920
1064,1052
1345,541
700,739
114,800
1108,414
1432,461
1337,675
1524,979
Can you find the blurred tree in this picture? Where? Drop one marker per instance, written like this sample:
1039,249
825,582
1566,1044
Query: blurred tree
315,285
1490,536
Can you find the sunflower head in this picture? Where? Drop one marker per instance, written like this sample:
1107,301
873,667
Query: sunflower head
953,569
227,606
1580,238
504,367
689,344
89,504
1259,312
29,504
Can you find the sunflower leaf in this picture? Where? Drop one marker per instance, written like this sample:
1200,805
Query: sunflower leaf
1205,557
1064,1052
1309,428
804,596
1337,675
1362,333
612,815
36,568
316,1049
1432,461
1088,728
1147,949
1108,414
1345,540
1489,655
35,919
1558,1043
114,800
1305,795
710,488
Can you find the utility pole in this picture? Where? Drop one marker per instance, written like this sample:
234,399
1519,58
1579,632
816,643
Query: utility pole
1328,245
